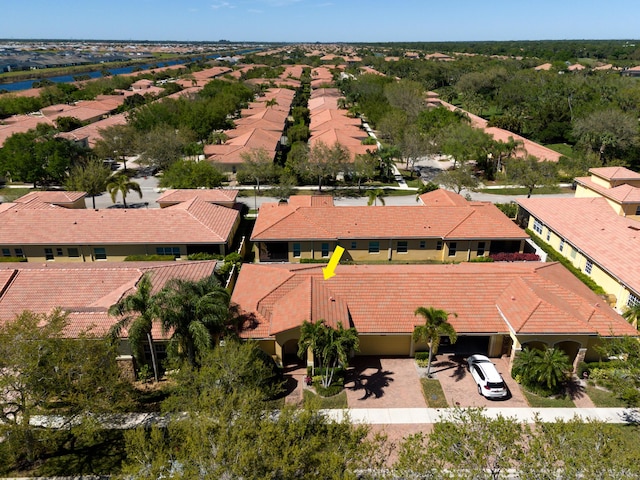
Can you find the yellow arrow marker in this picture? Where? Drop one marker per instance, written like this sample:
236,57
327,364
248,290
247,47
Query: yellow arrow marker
330,270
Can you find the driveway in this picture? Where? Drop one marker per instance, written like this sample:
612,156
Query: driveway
375,382
460,389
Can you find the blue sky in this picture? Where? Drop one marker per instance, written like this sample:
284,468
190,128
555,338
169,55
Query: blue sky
320,20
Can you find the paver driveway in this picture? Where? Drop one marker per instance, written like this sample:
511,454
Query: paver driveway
461,390
375,382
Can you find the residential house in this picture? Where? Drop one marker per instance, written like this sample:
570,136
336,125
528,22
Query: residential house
446,228
598,230
499,307
217,196
44,232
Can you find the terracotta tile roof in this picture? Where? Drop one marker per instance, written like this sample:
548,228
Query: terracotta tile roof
311,201
190,222
211,195
279,222
442,197
615,173
19,124
326,92
53,197
323,103
93,132
85,291
544,66
621,194
381,299
593,227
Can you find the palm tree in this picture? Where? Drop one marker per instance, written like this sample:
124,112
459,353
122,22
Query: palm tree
123,184
197,312
374,196
311,336
632,314
553,368
137,311
436,324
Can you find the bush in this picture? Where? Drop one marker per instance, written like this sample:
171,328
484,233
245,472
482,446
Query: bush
149,258
509,209
204,256
335,388
514,257
13,259
482,260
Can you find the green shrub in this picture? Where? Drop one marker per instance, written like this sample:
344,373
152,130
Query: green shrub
233,258
149,258
204,256
556,257
482,260
335,388
13,259
313,260
509,209
369,141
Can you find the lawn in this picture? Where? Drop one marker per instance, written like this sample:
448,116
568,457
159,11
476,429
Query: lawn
561,148
545,402
524,191
433,394
337,401
10,194
604,398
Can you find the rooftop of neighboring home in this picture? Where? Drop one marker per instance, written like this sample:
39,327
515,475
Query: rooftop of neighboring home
19,124
616,183
332,119
85,291
92,133
191,222
449,219
592,226
44,199
544,66
525,298
218,196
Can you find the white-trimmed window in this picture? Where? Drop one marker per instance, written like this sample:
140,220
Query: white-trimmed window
19,253
6,252
423,244
453,249
537,226
561,247
572,253
633,300
296,250
638,210
324,248
588,267
439,245
354,244
548,235
481,249
48,253
374,246
403,246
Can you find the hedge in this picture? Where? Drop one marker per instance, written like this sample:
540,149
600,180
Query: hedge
13,259
556,257
149,258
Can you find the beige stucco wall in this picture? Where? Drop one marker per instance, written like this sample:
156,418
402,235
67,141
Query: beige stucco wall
385,345
35,253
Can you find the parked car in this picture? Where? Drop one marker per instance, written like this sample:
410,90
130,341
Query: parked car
490,382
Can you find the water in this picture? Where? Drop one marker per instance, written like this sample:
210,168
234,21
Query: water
27,84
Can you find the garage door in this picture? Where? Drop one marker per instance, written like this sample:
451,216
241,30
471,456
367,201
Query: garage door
398,345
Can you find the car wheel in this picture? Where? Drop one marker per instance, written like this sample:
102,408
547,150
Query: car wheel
479,390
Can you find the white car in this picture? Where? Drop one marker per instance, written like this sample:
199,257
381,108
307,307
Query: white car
490,382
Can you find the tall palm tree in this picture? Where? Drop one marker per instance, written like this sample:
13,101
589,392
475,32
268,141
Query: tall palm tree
374,196
137,311
197,312
553,368
311,336
436,324
632,314
121,183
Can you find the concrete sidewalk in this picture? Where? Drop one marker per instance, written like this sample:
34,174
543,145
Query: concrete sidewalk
390,416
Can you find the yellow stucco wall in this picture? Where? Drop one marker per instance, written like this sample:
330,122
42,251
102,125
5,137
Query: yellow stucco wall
86,253
385,345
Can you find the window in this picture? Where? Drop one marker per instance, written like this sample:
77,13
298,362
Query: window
6,252
48,253
19,253
548,235
537,226
175,251
100,253
573,253
58,252
561,247
633,300
423,244
73,252
374,247
324,248
439,245
638,210
481,249
588,267
296,250
453,248
403,246
354,244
